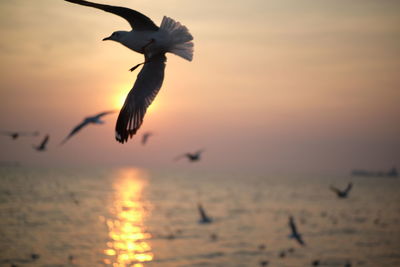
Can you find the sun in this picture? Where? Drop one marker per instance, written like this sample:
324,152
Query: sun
120,95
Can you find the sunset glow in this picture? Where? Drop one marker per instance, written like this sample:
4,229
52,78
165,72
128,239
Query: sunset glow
292,78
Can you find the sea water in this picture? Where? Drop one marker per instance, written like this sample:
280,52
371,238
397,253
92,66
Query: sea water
128,216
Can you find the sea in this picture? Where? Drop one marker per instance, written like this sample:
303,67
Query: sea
130,216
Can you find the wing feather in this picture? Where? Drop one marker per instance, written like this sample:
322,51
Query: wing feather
145,89
137,20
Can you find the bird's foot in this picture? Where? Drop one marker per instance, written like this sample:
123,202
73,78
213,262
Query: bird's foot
136,66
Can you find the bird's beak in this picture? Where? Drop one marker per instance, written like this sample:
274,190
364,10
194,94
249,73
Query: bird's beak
107,38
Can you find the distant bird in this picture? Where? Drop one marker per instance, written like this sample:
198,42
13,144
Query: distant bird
315,262
154,42
262,247
295,234
35,256
86,121
340,193
203,216
192,157
42,146
145,137
15,135
214,237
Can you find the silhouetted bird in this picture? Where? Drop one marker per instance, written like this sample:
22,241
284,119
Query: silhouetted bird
145,137
15,135
154,42
35,256
264,263
262,247
295,234
203,216
192,157
88,120
340,193
42,146
315,263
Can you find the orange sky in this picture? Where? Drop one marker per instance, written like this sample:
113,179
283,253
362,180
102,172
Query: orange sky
274,85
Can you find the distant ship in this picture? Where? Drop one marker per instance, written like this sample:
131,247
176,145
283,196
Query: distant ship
391,173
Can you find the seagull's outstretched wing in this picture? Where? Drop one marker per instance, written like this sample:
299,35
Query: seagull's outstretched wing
98,116
75,130
292,226
296,235
180,156
45,140
137,20
145,89
349,186
334,189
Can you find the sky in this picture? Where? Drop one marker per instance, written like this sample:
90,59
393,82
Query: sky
274,85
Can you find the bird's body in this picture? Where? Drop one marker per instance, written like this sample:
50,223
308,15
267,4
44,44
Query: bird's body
203,216
16,135
145,137
192,157
295,234
154,42
342,193
96,119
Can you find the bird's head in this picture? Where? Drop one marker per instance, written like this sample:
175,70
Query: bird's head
116,36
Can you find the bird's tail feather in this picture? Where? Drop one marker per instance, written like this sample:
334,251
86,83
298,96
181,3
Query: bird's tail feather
180,38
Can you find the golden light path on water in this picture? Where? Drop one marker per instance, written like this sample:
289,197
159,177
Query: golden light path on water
127,245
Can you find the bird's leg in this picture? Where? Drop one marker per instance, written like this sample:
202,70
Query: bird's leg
145,55
136,66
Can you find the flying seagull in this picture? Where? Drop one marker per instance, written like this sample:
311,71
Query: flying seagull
295,234
192,157
15,135
203,216
89,120
154,42
42,146
145,137
342,193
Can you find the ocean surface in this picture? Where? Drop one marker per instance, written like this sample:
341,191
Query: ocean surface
139,217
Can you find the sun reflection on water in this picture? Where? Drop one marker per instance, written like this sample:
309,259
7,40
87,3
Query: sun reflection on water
128,245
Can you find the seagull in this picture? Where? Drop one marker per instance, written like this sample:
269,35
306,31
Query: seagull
42,146
15,135
192,157
296,235
153,42
340,193
145,137
203,216
88,120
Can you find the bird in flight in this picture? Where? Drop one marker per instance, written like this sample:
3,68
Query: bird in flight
295,234
86,121
15,135
203,216
154,42
43,144
192,157
145,137
342,193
